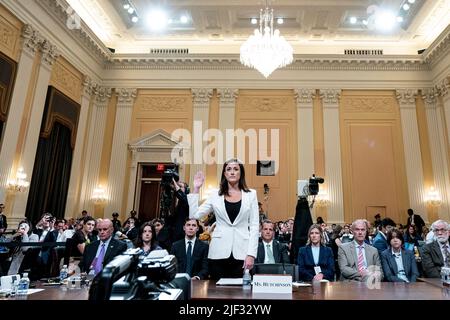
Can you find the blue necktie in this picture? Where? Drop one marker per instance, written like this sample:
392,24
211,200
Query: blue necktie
98,266
189,258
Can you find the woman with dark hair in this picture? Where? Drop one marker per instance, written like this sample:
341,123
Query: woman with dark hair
83,237
146,239
399,265
412,238
234,242
315,260
23,234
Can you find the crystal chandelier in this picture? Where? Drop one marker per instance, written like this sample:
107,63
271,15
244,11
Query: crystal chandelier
266,50
19,184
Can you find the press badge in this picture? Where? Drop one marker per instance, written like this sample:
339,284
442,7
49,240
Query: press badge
317,269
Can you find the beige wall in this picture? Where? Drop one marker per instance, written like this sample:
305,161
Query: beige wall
374,178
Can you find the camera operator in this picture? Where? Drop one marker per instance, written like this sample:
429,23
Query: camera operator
175,222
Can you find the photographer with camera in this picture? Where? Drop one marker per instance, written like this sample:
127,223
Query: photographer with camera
234,242
175,222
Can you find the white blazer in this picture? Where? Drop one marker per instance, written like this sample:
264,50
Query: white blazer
240,237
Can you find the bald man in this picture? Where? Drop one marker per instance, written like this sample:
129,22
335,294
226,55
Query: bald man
100,252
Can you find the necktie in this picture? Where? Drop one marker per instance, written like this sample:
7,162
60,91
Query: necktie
270,257
446,256
189,258
98,266
360,259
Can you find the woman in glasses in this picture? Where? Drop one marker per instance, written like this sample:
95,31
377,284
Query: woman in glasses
234,242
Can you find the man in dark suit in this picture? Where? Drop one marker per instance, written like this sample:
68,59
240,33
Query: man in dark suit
436,255
270,250
415,220
380,240
100,252
191,253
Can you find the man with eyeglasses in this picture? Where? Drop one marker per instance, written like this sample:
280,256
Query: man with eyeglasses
436,255
100,252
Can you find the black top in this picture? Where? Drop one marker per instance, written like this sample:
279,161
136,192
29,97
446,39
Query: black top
233,209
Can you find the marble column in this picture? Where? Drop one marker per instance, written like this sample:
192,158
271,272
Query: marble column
119,152
332,149
49,55
30,45
94,139
227,106
413,159
201,100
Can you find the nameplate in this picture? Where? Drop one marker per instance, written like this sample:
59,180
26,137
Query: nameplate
272,283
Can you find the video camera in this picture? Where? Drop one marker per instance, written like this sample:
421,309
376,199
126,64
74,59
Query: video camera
309,187
168,175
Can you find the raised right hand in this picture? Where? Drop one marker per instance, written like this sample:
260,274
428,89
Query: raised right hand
199,179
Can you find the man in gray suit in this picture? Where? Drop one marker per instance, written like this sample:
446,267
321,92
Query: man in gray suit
436,255
357,260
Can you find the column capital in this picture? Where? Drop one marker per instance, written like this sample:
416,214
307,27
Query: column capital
201,96
305,95
330,96
443,87
30,39
429,96
406,97
126,95
88,86
227,95
102,94
49,53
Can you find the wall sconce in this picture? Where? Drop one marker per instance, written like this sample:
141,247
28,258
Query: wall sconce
99,195
19,183
322,199
433,198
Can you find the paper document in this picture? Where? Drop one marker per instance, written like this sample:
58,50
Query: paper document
301,284
229,282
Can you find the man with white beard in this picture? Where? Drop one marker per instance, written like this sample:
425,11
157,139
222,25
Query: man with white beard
436,255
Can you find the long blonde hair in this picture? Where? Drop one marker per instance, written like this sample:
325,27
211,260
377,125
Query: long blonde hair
318,227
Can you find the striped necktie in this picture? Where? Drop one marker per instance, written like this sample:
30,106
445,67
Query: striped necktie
360,259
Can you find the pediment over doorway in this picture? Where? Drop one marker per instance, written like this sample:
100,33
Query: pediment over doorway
154,140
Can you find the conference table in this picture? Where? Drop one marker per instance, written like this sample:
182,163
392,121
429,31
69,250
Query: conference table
424,289
341,290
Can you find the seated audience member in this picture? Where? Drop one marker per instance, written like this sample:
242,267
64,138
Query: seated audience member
191,253
131,232
436,255
100,252
269,249
83,237
162,234
116,222
380,240
23,234
346,235
357,260
315,260
146,239
411,238
133,214
44,258
399,265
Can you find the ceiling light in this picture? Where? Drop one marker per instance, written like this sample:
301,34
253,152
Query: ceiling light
254,21
353,20
406,7
399,19
385,20
411,1
280,20
183,19
365,22
126,6
130,10
157,20
134,19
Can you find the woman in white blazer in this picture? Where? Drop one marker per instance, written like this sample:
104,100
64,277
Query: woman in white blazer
234,242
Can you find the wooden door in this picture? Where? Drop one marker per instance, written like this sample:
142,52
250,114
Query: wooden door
149,200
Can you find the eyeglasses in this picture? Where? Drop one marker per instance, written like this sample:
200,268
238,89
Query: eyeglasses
439,230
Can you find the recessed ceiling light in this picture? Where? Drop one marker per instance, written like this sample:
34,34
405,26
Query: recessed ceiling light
130,10
280,20
126,6
385,20
157,19
254,21
183,19
134,19
411,1
365,22
399,19
406,7
353,20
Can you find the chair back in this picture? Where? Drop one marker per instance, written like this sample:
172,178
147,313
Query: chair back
277,268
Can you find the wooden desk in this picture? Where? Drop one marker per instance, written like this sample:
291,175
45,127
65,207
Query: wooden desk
206,289
437,282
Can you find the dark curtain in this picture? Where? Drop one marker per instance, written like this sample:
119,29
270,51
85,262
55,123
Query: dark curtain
51,173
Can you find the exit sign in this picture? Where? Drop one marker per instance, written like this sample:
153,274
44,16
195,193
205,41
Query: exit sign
160,167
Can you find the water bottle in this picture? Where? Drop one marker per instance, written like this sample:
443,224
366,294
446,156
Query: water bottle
24,284
63,274
247,280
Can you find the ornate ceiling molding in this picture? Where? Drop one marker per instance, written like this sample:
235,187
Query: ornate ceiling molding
439,49
302,62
